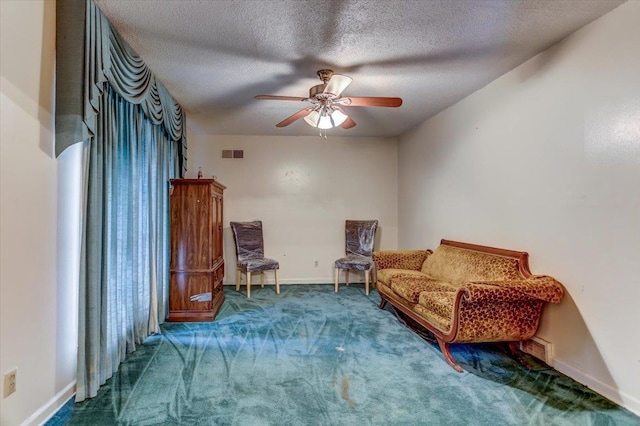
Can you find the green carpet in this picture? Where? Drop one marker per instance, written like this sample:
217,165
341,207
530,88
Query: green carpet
313,357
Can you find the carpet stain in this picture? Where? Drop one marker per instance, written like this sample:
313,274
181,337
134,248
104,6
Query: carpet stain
345,393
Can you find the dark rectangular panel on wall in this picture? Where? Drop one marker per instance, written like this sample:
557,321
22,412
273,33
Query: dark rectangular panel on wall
70,38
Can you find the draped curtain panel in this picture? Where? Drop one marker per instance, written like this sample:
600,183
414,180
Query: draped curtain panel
91,54
124,262
134,135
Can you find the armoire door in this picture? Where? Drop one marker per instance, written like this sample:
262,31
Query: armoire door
196,262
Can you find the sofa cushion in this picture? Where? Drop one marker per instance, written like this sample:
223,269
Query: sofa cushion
458,265
386,275
439,302
441,323
410,287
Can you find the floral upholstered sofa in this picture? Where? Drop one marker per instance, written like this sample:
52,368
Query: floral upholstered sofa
465,292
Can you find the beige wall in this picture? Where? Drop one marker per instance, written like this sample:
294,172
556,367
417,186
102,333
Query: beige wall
37,301
303,189
547,159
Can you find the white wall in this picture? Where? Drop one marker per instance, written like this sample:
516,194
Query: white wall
546,159
37,298
303,189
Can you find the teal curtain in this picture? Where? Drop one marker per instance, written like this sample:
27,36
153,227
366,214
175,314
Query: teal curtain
124,262
134,135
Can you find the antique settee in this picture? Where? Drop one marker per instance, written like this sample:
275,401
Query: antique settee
465,293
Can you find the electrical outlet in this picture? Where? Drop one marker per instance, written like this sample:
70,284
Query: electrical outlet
10,382
316,264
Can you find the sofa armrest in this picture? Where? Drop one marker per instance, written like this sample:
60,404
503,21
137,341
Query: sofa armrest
541,287
476,292
400,259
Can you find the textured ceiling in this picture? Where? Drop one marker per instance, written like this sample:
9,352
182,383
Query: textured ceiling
215,56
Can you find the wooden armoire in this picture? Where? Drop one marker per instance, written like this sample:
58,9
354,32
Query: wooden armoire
197,264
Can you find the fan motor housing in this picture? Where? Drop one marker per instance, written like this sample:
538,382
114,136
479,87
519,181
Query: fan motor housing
325,75
316,90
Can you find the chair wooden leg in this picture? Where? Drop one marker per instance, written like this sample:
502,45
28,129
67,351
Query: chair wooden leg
248,284
346,276
366,282
262,279
337,274
277,283
238,276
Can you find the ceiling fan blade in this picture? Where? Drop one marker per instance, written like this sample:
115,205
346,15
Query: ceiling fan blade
348,123
294,117
337,84
373,101
280,98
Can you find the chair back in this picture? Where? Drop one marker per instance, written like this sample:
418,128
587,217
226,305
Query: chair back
248,238
360,235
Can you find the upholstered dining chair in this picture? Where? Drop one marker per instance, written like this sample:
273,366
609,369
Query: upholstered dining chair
250,253
359,235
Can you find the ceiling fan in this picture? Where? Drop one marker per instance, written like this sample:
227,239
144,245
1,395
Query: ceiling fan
325,111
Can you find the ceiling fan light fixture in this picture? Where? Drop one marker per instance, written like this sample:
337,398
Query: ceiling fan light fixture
313,118
323,120
325,123
338,117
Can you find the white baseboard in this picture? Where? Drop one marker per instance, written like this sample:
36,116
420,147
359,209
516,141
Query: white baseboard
621,398
52,406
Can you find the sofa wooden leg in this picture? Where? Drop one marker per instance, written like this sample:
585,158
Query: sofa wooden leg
515,353
383,303
444,348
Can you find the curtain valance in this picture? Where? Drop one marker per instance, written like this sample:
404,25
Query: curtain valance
104,58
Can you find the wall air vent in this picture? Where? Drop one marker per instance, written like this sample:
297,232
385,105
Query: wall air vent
538,348
232,153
